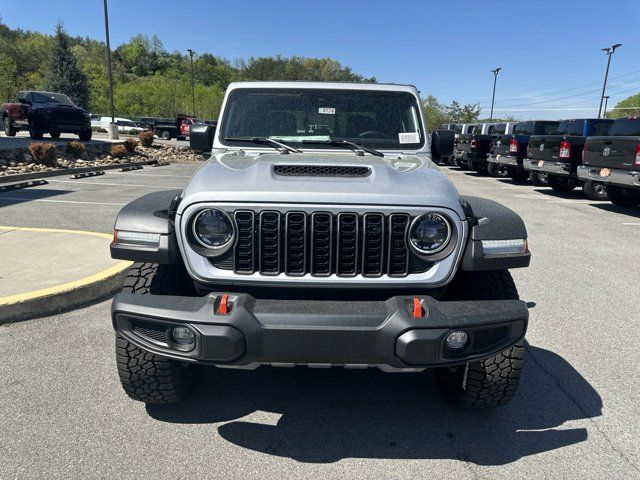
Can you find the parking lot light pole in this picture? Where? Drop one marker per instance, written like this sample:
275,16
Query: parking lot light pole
113,126
609,51
606,100
493,97
193,83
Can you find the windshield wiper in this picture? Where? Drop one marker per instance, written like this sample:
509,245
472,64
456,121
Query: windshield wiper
274,143
344,143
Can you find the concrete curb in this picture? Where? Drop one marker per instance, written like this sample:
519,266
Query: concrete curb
66,296
70,171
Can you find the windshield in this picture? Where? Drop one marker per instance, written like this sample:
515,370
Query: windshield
376,119
51,98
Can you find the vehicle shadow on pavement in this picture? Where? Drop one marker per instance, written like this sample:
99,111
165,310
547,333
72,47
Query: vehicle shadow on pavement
13,197
327,415
572,195
610,207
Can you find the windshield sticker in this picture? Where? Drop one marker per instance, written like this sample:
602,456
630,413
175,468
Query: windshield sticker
409,137
327,110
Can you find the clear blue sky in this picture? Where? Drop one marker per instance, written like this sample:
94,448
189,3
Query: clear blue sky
549,50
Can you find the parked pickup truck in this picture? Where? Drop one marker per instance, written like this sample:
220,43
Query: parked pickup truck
510,150
45,112
476,147
559,155
615,160
168,128
460,130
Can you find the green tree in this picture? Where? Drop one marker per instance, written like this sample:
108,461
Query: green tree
435,112
628,107
8,83
467,113
63,74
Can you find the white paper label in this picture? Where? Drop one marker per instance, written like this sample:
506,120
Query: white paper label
409,137
327,110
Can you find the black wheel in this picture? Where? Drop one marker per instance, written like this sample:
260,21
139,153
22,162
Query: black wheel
517,174
481,168
595,190
86,135
34,132
54,135
144,376
165,135
494,381
9,129
497,170
539,179
623,197
562,184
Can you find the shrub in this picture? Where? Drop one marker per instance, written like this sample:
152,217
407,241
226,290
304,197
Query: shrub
43,153
130,144
146,138
118,151
75,149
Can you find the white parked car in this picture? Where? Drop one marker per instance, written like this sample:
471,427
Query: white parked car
124,124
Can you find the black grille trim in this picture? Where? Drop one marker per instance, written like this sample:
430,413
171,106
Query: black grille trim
321,244
398,257
244,252
296,243
151,332
373,245
347,234
270,242
321,171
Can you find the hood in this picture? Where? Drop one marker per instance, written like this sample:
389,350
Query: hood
403,180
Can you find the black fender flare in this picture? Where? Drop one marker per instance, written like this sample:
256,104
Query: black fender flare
490,220
151,213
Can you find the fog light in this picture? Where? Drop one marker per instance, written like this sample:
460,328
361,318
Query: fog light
457,340
184,338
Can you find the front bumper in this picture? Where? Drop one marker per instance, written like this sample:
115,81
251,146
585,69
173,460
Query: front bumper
625,178
554,168
507,160
390,334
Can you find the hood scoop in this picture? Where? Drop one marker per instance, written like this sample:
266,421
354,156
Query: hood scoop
298,170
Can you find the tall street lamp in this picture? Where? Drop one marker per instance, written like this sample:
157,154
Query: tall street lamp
606,100
193,83
495,80
113,126
609,51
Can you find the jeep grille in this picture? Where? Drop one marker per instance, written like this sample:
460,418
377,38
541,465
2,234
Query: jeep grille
321,244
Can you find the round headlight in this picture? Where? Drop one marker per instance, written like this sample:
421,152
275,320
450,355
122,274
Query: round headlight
212,228
430,233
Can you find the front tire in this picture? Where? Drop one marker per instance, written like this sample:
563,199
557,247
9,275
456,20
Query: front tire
145,376
623,197
595,190
562,184
165,135
34,132
494,381
85,136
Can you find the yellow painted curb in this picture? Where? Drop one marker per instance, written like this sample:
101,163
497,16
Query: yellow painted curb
66,295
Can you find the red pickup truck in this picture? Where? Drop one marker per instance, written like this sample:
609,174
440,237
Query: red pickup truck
45,112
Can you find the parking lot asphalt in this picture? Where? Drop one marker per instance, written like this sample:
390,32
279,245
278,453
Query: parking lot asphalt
576,415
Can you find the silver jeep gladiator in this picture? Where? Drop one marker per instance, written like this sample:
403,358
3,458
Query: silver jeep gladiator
320,233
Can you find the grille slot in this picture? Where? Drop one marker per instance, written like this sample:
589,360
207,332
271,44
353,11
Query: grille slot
373,244
321,243
487,337
270,243
296,243
244,250
321,171
398,254
347,244
153,333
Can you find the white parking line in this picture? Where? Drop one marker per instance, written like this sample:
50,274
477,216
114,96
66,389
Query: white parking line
47,200
631,223
112,184
149,174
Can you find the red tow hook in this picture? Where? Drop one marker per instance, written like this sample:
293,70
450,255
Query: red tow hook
223,306
418,310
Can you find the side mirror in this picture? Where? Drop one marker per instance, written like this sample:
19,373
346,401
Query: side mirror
201,137
442,144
